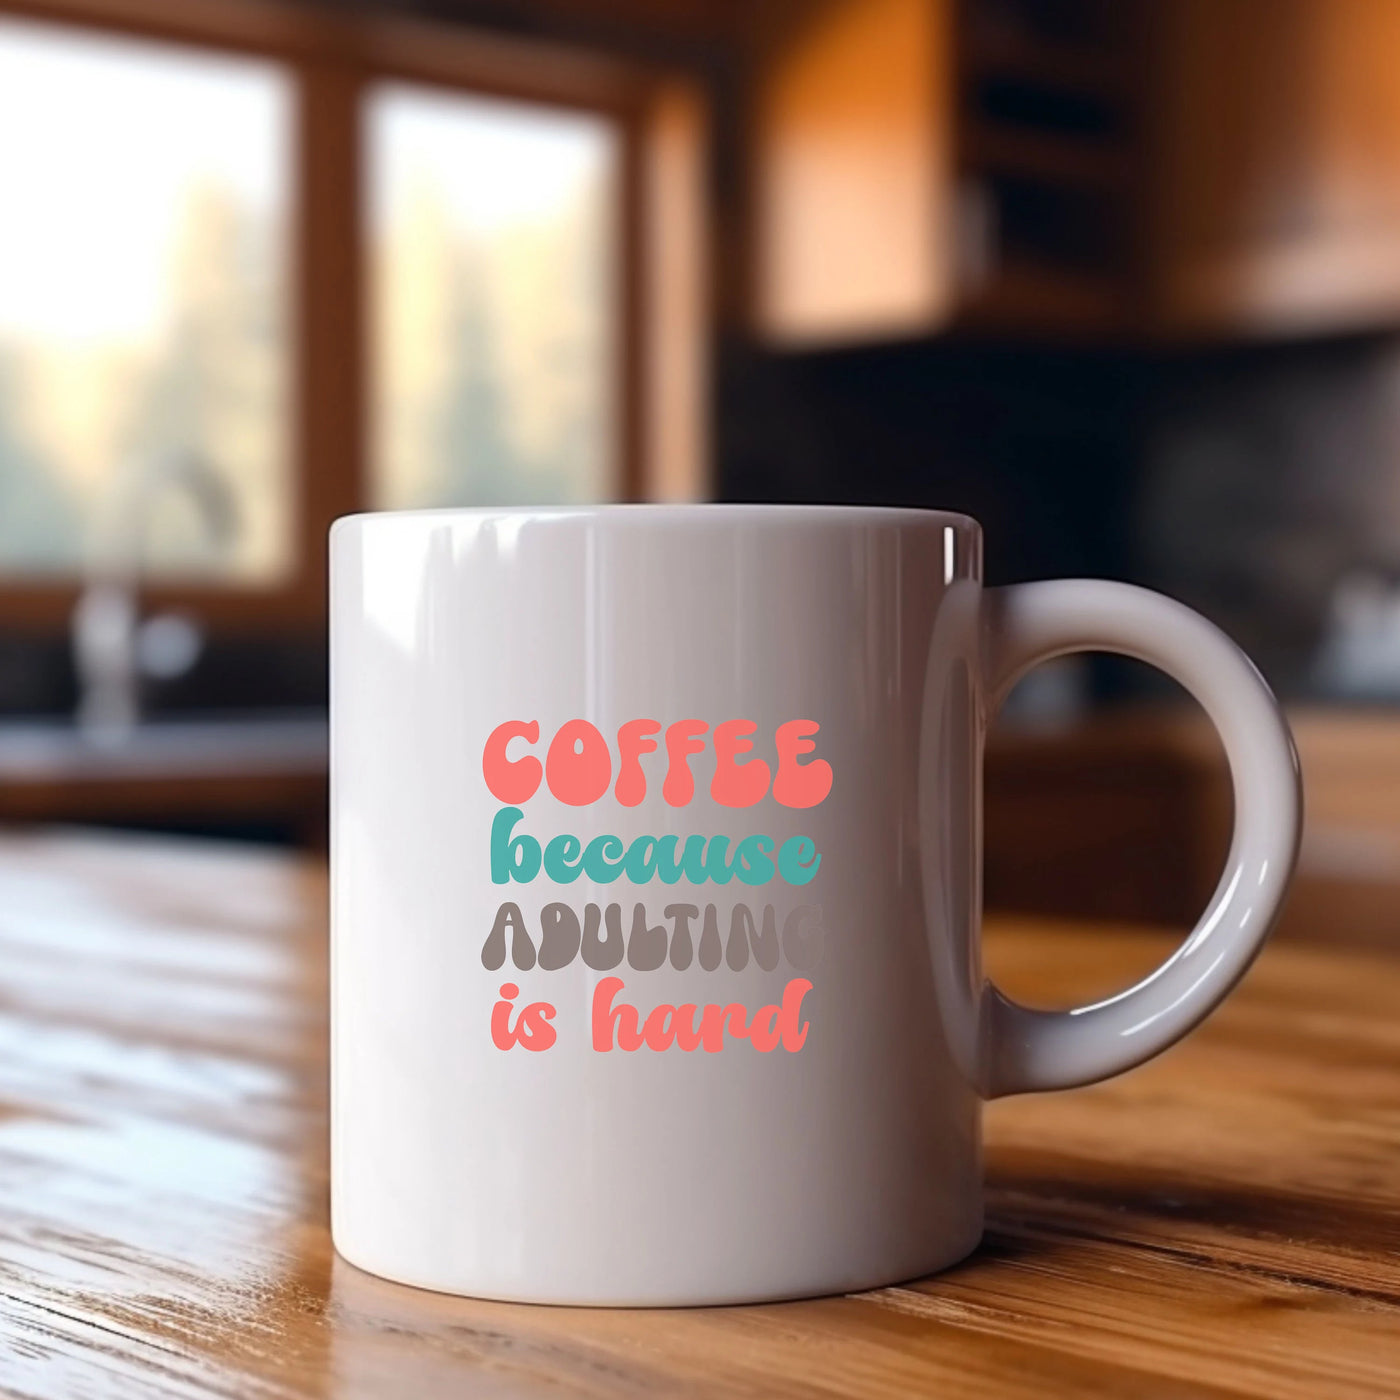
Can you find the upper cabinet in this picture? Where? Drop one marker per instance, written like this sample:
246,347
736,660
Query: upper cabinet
1275,151
853,189
1148,168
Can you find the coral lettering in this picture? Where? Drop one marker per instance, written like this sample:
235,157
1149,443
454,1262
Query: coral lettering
689,1027
578,768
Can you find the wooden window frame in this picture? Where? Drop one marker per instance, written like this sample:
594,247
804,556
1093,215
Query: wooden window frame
332,60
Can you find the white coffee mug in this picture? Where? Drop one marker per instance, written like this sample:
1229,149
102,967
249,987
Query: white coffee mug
656,847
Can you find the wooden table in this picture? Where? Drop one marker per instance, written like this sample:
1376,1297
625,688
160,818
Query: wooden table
1223,1222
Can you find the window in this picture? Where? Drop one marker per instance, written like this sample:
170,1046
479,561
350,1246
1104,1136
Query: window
144,326
494,301
263,265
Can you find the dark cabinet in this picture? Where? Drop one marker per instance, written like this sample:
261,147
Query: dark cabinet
1146,168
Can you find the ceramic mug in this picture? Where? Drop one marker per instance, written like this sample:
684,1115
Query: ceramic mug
656,847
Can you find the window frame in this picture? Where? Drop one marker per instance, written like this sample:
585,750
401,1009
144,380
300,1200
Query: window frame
331,61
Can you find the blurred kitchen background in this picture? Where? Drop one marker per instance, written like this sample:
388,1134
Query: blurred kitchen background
1119,277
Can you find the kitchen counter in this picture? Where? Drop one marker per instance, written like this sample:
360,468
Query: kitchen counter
219,769
1223,1221
1126,815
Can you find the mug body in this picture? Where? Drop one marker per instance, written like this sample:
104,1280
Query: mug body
655,840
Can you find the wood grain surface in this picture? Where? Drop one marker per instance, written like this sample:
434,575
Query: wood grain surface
1223,1222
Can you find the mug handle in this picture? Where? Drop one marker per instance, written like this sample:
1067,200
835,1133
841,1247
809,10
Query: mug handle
1026,624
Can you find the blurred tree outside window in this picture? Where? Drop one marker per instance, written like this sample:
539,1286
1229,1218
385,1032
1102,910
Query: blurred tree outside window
144,300
493,296
148,198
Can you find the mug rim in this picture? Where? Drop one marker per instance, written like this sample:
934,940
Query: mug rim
680,512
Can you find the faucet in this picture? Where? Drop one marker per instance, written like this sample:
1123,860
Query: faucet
113,648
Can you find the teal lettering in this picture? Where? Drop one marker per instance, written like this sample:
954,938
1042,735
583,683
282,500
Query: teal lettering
640,864
691,863
603,859
753,859
798,860
512,858
716,868
561,859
